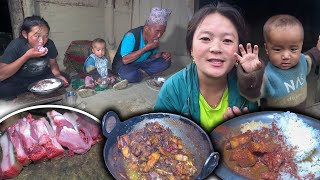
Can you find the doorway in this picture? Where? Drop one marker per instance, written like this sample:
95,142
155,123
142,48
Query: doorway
5,28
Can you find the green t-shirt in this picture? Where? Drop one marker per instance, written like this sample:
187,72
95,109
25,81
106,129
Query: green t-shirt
211,117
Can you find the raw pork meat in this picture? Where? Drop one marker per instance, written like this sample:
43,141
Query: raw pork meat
84,124
10,167
47,139
13,133
68,135
30,140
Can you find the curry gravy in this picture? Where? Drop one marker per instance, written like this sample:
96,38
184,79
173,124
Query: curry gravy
260,154
249,172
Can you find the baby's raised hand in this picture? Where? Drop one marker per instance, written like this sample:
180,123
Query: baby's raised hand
249,60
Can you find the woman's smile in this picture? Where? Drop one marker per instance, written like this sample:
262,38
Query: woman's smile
216,62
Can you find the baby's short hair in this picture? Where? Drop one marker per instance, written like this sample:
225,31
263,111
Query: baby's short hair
280,21
98,40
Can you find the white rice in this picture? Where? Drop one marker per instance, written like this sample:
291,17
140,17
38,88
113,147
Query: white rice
253,125
297,134
305,141
44,85
306,167
311,165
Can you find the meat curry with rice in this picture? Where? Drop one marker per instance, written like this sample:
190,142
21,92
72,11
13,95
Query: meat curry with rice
259,154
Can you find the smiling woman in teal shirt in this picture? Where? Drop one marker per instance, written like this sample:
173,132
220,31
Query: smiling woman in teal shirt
206,90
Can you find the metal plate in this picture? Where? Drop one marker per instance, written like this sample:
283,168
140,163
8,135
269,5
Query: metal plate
32,86
232,127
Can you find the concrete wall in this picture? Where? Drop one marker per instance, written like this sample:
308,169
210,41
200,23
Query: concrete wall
72,20
109,19
174,38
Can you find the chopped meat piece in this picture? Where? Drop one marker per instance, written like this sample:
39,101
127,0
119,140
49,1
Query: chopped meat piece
240,139
82,123
273,160
185,168
10,167
181,157
68,135
178,142
47,138
155,127
123,141
30,140
262,147
57,121
13,133
125,151
162,151
243,157
152,160
71,139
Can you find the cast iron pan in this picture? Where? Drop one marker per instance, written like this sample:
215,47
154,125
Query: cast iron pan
232,127
194,138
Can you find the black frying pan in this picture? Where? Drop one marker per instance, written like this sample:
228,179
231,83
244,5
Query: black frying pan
194,138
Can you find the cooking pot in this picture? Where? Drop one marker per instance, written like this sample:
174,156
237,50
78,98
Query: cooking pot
193,137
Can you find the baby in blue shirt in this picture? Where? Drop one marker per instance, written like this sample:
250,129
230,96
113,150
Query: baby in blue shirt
282,83
97,60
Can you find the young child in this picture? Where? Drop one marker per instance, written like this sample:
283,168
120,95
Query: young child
97,59
98,67
283,83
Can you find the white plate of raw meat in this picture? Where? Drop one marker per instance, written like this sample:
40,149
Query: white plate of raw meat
51,133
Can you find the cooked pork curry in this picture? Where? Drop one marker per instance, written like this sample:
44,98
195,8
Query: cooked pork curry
258,155
155,153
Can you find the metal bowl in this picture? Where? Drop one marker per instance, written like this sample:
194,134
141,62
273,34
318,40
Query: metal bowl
58,83
103,84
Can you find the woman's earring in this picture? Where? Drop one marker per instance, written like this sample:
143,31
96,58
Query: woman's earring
236,64
192,57
193,61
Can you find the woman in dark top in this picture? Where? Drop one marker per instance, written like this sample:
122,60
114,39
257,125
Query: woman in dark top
28,59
